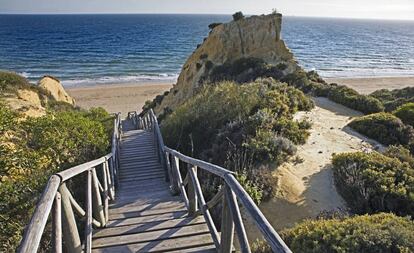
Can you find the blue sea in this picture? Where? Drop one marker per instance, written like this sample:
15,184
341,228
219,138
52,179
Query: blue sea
90,49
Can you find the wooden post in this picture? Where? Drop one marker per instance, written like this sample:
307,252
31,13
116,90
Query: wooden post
57,224
192,196
98,209
88,222
106,193
227,226
237,219
70,233
173,180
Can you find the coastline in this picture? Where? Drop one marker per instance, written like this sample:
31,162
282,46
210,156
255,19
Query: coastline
125,97
115,98
367,85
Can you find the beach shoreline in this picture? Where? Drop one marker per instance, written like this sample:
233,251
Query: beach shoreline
125,97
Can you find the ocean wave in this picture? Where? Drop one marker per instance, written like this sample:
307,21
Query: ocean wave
163,77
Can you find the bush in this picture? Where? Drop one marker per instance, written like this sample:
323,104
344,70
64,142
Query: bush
400,153
380,233
214,25
238,16
372,182
395,98
406,113
352,99
11,82
385,128
265,104
34,149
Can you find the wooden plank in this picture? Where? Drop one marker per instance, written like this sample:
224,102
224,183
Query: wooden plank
152,211
147,227
140,205
181,244
170,233
144,219
126,180
227,227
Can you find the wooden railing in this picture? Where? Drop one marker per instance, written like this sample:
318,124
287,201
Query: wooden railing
230,195
57,200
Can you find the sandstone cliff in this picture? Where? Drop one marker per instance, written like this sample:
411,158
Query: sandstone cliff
55,89
31,100
253,37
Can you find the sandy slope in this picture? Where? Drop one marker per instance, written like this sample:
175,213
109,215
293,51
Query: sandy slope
307,188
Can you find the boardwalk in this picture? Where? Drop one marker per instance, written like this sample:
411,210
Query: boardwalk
129,205
145,216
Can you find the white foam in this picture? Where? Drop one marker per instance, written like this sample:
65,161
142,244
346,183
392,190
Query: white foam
121,79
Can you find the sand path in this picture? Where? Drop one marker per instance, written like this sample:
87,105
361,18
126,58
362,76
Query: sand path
307,188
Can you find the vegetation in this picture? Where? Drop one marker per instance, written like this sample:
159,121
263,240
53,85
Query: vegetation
406,113
395,98
238,16
380,233
214,25
312,83
385,128
373,182
223,120
245,70
32,149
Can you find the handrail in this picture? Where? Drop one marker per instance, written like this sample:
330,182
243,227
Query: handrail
57,200
230,193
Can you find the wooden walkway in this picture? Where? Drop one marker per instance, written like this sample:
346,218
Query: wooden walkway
146,217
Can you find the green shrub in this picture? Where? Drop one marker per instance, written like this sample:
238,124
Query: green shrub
395,98
244,70
385,128
238,16
401,153
406,113
10,82
372,182
208,114
34,149
380,233
352,99
214,25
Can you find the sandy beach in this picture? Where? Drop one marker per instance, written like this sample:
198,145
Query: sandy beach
129,97
117,97
368,85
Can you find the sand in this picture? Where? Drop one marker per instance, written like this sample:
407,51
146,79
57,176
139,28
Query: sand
117,97
306,189
371,84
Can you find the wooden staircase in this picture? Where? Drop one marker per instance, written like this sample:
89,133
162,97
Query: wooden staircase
146,217
130,207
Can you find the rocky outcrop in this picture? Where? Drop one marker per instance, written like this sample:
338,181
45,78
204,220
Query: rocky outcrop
253,37
31,101
55,89
27,102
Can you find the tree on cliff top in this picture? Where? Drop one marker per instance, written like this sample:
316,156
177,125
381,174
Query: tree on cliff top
238,16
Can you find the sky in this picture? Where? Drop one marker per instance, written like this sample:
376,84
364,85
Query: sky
373,9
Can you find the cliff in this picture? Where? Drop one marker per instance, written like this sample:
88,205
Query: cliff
28,99
253,37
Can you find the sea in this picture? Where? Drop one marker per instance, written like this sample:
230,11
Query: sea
106,49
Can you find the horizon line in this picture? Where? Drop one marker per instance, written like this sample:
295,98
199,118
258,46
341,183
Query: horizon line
210,14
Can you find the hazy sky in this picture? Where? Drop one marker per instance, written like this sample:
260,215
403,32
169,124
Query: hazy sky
382,9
